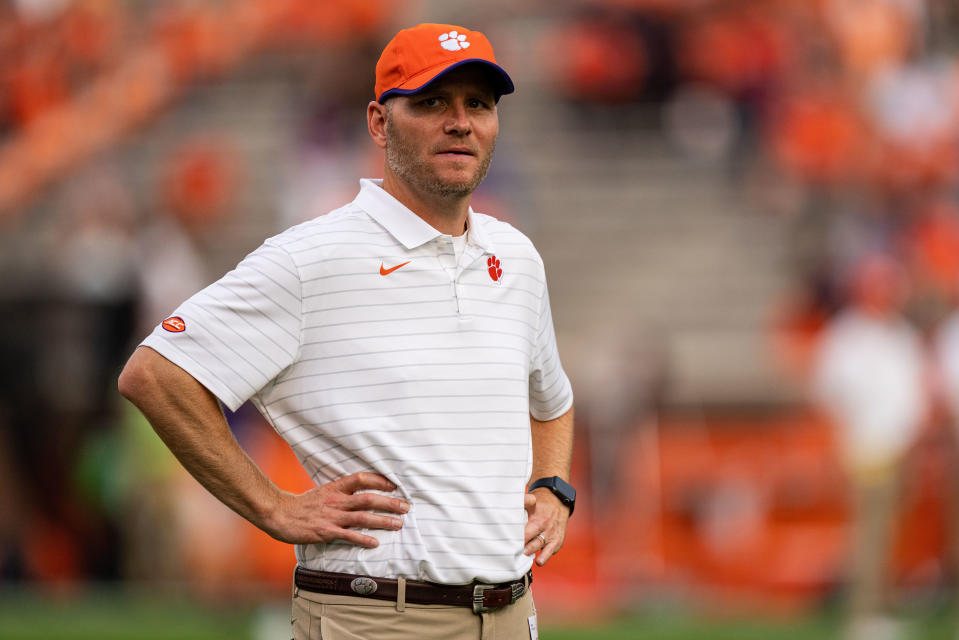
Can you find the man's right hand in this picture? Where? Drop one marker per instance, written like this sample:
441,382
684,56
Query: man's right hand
335,510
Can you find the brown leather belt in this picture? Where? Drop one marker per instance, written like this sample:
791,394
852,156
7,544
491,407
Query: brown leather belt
480,597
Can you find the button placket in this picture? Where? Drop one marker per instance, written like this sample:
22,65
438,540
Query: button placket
446,256
471,254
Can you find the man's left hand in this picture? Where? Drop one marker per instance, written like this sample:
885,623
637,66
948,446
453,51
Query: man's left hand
546,525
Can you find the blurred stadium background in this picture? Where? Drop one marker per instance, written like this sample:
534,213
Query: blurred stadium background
699,176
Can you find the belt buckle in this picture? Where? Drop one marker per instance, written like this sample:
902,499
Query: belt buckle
517,589
478,591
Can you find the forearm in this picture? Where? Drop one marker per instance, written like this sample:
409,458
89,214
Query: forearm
552,446
188,419
545,528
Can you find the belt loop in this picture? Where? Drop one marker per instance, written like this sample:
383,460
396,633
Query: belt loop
400,594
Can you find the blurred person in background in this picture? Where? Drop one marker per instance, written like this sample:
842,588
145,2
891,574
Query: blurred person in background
67,309
869,376
194,189
945,346
197,181
403,346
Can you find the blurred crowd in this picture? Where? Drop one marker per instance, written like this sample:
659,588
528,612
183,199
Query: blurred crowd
96,253
839,116
843,114
78,77
842,117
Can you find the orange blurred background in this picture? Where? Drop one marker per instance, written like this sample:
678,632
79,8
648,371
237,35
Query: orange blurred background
702,177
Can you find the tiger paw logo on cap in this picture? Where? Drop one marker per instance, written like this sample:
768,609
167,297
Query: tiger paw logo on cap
454,41
174,324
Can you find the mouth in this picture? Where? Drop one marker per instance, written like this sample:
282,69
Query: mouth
456,151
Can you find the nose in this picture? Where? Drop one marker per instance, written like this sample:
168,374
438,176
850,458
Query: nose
458,122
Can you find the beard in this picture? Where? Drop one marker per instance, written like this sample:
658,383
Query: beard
403,159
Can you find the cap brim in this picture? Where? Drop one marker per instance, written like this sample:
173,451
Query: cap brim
503,83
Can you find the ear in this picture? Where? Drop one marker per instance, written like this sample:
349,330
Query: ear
376,122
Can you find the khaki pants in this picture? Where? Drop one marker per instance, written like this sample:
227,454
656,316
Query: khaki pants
318,616
876,504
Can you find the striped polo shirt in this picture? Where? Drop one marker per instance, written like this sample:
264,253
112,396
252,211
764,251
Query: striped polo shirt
368,347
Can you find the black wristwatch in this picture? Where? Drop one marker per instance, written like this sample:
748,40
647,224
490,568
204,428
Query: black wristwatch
560,488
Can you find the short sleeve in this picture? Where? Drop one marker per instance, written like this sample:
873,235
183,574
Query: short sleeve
239,333
550,393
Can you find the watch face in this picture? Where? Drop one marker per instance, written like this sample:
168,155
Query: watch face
564,488
567,493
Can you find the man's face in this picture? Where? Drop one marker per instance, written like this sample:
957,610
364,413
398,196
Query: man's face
440,141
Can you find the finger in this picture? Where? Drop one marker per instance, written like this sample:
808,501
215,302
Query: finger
535,543
548,552
374,502
364,480
366,520
356,538
533,526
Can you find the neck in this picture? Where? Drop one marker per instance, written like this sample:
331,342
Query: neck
446,214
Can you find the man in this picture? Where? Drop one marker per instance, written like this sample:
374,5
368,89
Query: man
403,346
869,376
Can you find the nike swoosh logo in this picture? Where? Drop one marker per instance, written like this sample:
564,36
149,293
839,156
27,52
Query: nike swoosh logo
385,272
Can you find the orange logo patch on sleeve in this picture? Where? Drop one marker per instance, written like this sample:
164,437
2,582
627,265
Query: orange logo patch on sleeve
174,324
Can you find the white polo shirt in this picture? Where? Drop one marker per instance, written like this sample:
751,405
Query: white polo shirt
368,348
869,374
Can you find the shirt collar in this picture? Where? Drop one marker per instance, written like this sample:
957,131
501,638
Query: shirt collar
404,225
477,234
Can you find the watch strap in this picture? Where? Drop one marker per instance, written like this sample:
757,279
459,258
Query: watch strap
560,488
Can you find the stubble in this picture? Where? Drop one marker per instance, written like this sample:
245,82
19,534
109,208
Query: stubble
404,161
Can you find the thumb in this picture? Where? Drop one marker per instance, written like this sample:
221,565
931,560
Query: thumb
529,501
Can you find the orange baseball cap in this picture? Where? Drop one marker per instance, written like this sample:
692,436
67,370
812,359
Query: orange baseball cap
417,56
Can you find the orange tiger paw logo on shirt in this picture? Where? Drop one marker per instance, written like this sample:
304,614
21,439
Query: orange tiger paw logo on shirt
495,272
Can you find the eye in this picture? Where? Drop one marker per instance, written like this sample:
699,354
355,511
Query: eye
431,101
476,103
